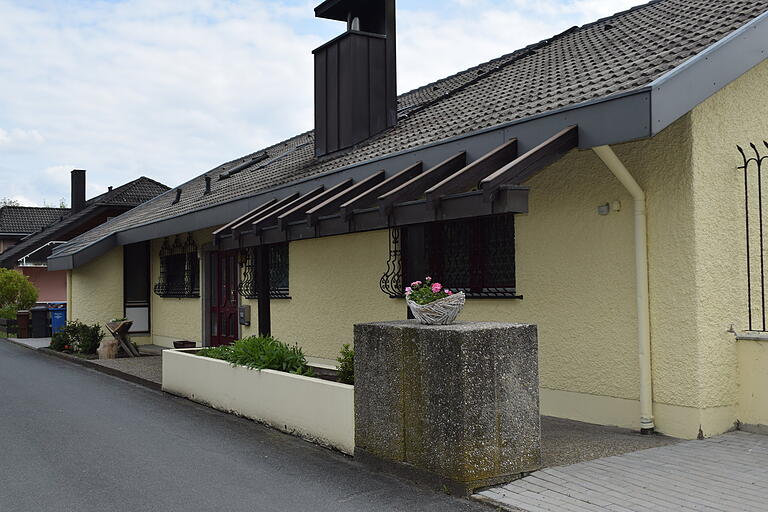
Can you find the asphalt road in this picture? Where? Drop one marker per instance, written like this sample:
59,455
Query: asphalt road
72,439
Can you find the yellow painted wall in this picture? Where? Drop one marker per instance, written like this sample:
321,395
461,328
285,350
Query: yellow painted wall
736,115
753,382
575,269
96,289
177,319
334,284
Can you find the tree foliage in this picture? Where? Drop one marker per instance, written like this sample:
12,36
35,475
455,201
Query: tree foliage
16,292
4,201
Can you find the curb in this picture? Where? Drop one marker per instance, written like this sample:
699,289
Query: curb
89,364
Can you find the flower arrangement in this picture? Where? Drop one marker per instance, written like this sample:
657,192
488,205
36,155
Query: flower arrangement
433,304
424,292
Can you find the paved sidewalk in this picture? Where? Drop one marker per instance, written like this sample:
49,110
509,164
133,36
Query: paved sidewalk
148,368
725,473
34,343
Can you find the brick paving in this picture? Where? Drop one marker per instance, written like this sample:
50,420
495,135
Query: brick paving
725,473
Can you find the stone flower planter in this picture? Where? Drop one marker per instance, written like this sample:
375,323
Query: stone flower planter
317,410
440,312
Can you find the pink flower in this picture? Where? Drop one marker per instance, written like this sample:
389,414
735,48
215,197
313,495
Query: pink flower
436,288
427,278
416,283
408,290
448,292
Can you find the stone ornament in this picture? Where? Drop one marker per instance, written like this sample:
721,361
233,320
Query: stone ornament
440,312
107,349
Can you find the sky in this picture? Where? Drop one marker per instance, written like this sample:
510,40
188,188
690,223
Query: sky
170,89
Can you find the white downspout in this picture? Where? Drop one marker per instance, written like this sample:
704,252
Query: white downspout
609,158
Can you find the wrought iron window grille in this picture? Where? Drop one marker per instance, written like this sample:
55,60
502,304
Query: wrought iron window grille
278,273
753,216
475,256
179,269
391,282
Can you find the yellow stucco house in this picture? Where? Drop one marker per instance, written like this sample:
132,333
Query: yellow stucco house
589,184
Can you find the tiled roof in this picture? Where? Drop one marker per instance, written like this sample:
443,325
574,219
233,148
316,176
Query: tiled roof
23,220
617,54
129,195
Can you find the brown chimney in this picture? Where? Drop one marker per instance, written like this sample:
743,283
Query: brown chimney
78,190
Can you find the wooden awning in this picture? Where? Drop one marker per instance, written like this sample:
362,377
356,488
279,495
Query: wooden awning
452,189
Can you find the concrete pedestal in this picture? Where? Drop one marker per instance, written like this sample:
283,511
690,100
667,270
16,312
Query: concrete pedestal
454,406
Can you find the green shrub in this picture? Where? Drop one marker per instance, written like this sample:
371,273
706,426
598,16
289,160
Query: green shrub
221,352
16,292
262,353
346,365
82,338
60,342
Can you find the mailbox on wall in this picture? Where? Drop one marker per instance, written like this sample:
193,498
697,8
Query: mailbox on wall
245,315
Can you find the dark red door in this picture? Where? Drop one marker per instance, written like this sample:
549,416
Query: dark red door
224,297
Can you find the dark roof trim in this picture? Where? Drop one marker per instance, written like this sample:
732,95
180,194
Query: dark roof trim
680,90
609,120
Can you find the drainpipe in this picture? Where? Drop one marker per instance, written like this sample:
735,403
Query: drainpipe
609,158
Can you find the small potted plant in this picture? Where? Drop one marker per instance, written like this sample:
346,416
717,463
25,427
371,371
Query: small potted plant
433,304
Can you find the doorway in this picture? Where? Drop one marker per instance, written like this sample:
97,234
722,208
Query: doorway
225,298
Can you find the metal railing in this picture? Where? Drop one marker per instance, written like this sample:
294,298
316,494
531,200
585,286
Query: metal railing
753,210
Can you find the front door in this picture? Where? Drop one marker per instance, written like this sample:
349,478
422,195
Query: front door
224,297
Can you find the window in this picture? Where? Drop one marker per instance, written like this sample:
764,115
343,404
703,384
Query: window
476,256
136,285
179,269
278,272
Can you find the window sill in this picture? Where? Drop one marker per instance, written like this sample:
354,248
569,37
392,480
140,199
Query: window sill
282,297
476,296
194,296
752,336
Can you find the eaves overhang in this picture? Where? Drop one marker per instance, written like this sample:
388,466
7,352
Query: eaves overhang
623,117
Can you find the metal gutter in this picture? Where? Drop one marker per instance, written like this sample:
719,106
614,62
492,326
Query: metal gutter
642,296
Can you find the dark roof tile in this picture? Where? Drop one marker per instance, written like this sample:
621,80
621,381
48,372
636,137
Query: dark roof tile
129,195
23,220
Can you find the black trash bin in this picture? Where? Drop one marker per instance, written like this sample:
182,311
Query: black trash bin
41,328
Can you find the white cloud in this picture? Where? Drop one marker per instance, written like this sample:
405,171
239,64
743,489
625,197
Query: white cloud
18,139
170,89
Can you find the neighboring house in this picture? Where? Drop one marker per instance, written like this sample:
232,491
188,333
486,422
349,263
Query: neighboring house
529,182
30,253
17,222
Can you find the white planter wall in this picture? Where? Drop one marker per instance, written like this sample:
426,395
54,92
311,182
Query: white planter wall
317,410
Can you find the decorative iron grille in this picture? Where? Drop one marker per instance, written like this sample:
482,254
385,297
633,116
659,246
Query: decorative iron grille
278,273
475,256
391,282
753,218
179,269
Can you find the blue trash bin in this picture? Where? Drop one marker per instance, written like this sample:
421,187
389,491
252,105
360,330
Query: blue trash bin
58,317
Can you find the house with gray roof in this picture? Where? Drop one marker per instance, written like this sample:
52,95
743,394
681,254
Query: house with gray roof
604,184
40,230
17,222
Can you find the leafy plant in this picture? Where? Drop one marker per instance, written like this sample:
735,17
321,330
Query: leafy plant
346,366
60,342
221,352
78,337
424,292
262,353
16,292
